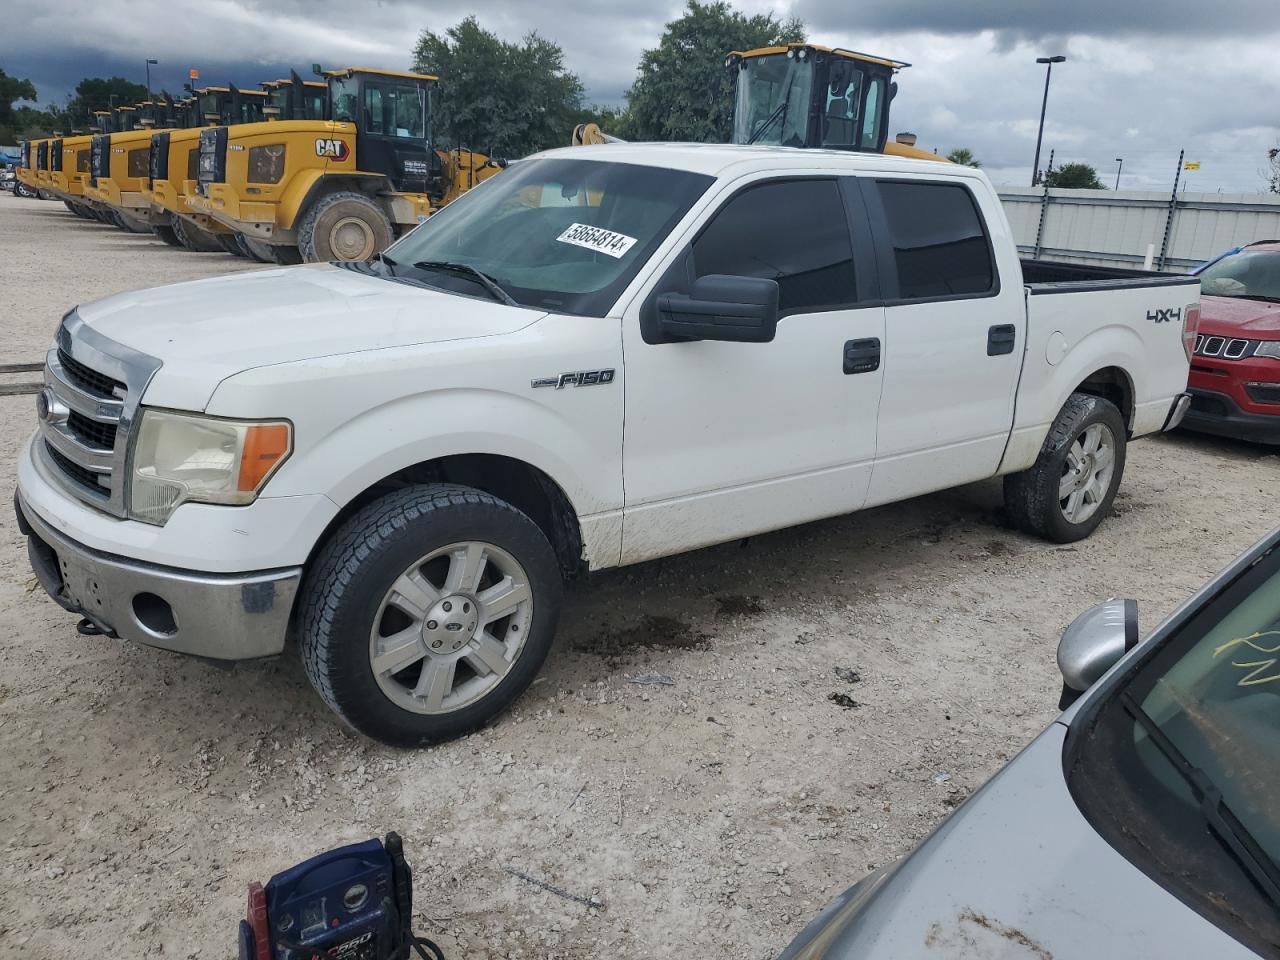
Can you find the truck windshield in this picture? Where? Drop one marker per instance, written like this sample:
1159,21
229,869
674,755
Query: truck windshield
1250,275
1177,768
560,235
773,100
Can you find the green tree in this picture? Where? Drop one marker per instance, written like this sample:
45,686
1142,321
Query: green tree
505,99
1078,176
682,89
964,156
101,93
12,89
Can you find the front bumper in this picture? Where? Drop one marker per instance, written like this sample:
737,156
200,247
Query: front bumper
216,616
1218,413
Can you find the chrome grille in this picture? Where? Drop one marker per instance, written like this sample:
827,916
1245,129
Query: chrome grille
93,386
1228,348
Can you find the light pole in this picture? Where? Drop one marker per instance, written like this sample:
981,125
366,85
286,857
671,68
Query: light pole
1048,62
150,64
1119,160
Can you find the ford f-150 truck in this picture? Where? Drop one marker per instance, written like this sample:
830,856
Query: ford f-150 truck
597,358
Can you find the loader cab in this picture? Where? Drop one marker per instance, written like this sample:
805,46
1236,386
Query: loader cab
802,95
392,116
295,99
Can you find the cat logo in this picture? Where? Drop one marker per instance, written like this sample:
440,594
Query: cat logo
333,149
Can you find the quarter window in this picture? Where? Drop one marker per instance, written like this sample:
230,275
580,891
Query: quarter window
940,245
794,232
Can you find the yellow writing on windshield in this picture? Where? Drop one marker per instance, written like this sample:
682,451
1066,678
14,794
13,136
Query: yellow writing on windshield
1260,671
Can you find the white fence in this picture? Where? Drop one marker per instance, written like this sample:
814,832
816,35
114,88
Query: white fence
1114,229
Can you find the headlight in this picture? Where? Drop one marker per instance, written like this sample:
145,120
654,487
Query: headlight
266,164
180,456
1268,348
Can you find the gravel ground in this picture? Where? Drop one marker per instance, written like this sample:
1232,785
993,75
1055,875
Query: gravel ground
837,689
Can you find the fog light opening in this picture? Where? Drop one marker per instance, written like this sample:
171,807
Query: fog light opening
154,615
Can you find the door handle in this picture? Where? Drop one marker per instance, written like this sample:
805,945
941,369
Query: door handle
1000,339
862,356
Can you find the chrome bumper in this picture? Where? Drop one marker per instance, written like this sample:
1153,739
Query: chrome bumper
216,616
1181,404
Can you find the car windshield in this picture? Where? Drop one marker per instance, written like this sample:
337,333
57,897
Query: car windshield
1250,273
1206,704
557,234
773,100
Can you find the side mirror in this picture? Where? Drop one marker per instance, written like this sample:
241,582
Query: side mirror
719,307
1093,644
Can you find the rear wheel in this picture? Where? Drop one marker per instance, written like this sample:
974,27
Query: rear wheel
165,233
254,249
192,237
230,243
1073,483
285,256
343,226
428,613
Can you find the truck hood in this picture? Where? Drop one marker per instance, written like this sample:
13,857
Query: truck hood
204,331
1016,873
1236,317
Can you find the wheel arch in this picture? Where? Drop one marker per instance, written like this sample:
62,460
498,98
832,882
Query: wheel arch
1112,383
521,484
370,185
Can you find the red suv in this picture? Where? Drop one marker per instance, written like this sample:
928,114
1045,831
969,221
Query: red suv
1235,372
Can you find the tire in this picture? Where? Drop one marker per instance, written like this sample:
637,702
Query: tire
68,205
343,226
285,256
129,223
254,249
165,233
192,237
1071,461
227,241
414,536
20,189
82,211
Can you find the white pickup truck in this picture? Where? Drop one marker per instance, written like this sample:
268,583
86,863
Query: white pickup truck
600,357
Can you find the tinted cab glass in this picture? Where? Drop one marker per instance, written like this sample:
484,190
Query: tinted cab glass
940,246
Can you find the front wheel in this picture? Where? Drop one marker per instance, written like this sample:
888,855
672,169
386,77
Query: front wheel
1070,488
428,613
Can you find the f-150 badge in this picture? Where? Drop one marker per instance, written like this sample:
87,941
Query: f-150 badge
579,378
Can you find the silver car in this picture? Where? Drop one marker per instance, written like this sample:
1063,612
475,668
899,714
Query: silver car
1144,823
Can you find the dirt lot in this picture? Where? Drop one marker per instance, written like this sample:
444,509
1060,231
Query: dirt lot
141,792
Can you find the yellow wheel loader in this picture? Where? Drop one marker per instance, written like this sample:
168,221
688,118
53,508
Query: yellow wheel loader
171,167
341,188
806,95
119,162
28,184
68,171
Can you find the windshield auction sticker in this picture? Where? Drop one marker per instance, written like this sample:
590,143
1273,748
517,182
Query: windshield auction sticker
595,238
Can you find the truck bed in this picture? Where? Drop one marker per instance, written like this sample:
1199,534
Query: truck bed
1054,276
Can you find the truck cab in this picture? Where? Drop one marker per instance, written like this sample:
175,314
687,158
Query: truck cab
603,357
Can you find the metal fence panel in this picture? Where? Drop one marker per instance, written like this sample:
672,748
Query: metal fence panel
1114,228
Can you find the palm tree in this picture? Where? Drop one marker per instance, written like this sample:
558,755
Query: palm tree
964,156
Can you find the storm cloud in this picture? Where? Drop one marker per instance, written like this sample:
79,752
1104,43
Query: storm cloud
1142,80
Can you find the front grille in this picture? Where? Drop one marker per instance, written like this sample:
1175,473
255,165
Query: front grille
212,165
100,155
91,432
1268,393
81,475
87,408
42,155
90,381
1226,348
55,156
158,162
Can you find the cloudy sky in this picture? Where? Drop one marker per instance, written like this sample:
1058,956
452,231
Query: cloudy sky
1144,78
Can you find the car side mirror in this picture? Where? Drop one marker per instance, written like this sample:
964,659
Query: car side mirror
1093,644
719,307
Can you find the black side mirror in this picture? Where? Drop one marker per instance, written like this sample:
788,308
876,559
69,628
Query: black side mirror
1093,644
719,307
